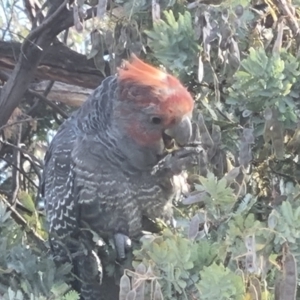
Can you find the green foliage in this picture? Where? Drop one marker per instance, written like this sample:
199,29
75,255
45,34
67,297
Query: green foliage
218,282
285,221
265,81
26,271
188,268
173,42
176,260
33,218
239,230
18,295
219,197
135,7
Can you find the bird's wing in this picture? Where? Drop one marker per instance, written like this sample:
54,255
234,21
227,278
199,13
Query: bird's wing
58,184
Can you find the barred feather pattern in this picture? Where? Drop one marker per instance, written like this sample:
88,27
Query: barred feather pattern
88,181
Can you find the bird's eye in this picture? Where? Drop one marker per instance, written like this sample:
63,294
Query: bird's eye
156,120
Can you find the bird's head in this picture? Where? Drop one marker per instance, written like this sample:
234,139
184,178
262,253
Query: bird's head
153,105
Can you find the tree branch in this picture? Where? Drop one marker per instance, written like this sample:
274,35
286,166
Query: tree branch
32,52
29,58
287,11
31,9
60,63
15,171
18,122
47,23
38,162
48,102
67,94
9,163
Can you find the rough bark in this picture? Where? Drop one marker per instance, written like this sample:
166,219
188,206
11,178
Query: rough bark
60,63
33,49
71,95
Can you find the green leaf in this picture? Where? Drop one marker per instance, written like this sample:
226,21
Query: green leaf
226,284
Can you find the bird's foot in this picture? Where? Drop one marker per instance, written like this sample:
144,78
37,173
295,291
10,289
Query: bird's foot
122,243
179,160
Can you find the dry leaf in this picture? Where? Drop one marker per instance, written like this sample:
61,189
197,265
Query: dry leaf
206,139
155,11
245,153
138,282
200,69
131,295
289,280
255,283
278,41
216,134
251,261
294,143
253,292
10,131
278,139
248,135
232,174
157,292
124,287
195,197
101,8
77,22
194,227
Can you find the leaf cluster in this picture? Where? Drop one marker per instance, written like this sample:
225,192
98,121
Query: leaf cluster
173,41
26,271
238,234
265,81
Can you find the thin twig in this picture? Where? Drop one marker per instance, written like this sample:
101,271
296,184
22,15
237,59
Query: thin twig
56,119
278,42
47,23
287,11
291,178
19,122
31,7
66,34
40,163
20,220
48,88
7,20
39,14
49,102
3,76
15,171
20,206
9,163
226,118
37,172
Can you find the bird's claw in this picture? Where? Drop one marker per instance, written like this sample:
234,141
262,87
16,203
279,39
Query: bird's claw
179,160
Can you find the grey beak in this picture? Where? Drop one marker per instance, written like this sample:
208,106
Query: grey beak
181,132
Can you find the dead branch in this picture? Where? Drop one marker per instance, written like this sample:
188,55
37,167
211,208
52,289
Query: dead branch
15,171
48,102
38,162
9,163
59,64
18,122
31,9
287,11
48,22
32,52
68,94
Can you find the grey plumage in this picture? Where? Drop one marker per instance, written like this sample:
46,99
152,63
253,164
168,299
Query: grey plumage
97,178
